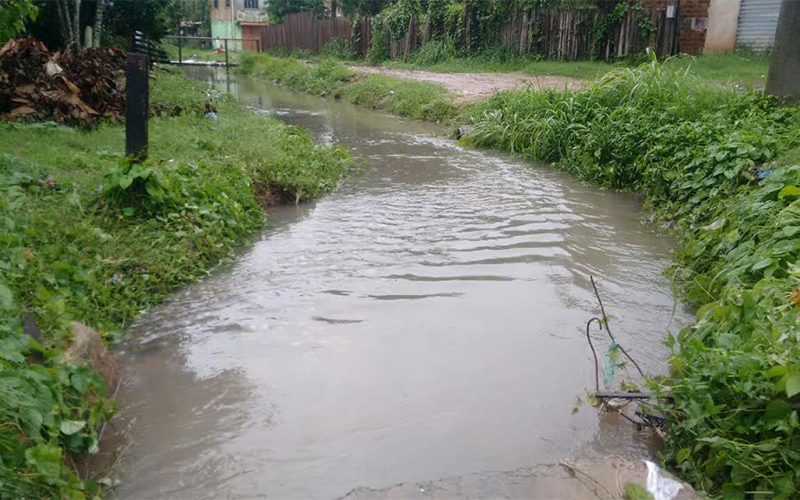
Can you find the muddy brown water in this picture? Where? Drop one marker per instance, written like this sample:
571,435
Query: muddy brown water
423,321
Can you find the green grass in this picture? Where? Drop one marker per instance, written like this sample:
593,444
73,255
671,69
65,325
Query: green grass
722,166
730,68
412,99
574,69
86,236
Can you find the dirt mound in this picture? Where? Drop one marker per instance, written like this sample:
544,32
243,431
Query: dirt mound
74,86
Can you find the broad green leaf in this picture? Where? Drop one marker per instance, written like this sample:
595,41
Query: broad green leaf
793,384
6,298
70,427
790,191
761,264
125,181
46,459
776,371
732,492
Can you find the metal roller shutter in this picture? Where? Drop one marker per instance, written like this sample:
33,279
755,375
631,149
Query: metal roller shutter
758,20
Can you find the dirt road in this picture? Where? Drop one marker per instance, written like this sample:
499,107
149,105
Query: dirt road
473,86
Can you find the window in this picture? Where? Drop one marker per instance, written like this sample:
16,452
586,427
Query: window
251,4
216,4
227,4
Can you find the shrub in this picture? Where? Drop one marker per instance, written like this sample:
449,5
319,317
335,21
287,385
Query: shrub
339,48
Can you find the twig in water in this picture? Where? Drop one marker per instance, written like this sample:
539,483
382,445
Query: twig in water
572,468
605,322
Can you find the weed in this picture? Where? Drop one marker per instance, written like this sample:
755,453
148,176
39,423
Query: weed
339,48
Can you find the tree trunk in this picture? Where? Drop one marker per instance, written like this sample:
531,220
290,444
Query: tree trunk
76,23
783,79
98,22
65,21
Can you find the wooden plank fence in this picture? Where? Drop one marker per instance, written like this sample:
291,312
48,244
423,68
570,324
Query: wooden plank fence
303,30
564,34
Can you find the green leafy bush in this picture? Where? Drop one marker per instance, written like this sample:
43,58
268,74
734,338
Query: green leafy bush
709,161
339,48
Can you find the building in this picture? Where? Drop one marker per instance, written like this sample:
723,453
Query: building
710,26
238,19
741,24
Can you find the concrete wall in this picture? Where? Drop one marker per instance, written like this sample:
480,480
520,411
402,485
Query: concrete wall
723,19
227,29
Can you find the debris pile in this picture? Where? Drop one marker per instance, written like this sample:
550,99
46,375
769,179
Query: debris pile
74,86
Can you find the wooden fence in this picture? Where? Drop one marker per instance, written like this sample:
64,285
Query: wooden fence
567,34
304,31
564,34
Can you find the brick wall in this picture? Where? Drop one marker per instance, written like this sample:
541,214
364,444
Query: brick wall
693,25
692,13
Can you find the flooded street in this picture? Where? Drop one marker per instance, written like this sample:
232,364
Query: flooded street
425,320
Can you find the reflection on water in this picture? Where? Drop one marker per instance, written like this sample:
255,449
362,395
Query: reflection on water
423,321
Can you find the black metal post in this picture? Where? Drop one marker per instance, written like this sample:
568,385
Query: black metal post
226,52
137,88
180,56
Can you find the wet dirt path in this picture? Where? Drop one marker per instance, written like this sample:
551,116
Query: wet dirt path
423,321
475,86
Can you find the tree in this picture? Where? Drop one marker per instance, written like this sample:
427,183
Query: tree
354,8
277,9
13,15
784,69
69,17
98,22
147,16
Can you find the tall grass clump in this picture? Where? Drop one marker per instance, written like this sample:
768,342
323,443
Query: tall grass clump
434,52
721,166
87,236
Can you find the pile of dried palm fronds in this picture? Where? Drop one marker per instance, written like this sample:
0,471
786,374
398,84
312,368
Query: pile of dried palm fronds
74,86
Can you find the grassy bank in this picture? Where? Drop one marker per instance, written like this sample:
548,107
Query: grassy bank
411,99
724,168
86,236
729,68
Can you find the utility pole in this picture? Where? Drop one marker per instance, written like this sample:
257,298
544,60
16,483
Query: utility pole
783,79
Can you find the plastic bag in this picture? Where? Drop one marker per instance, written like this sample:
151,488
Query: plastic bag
660,486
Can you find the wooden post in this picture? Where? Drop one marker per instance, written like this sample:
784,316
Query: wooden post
137,89
523,32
